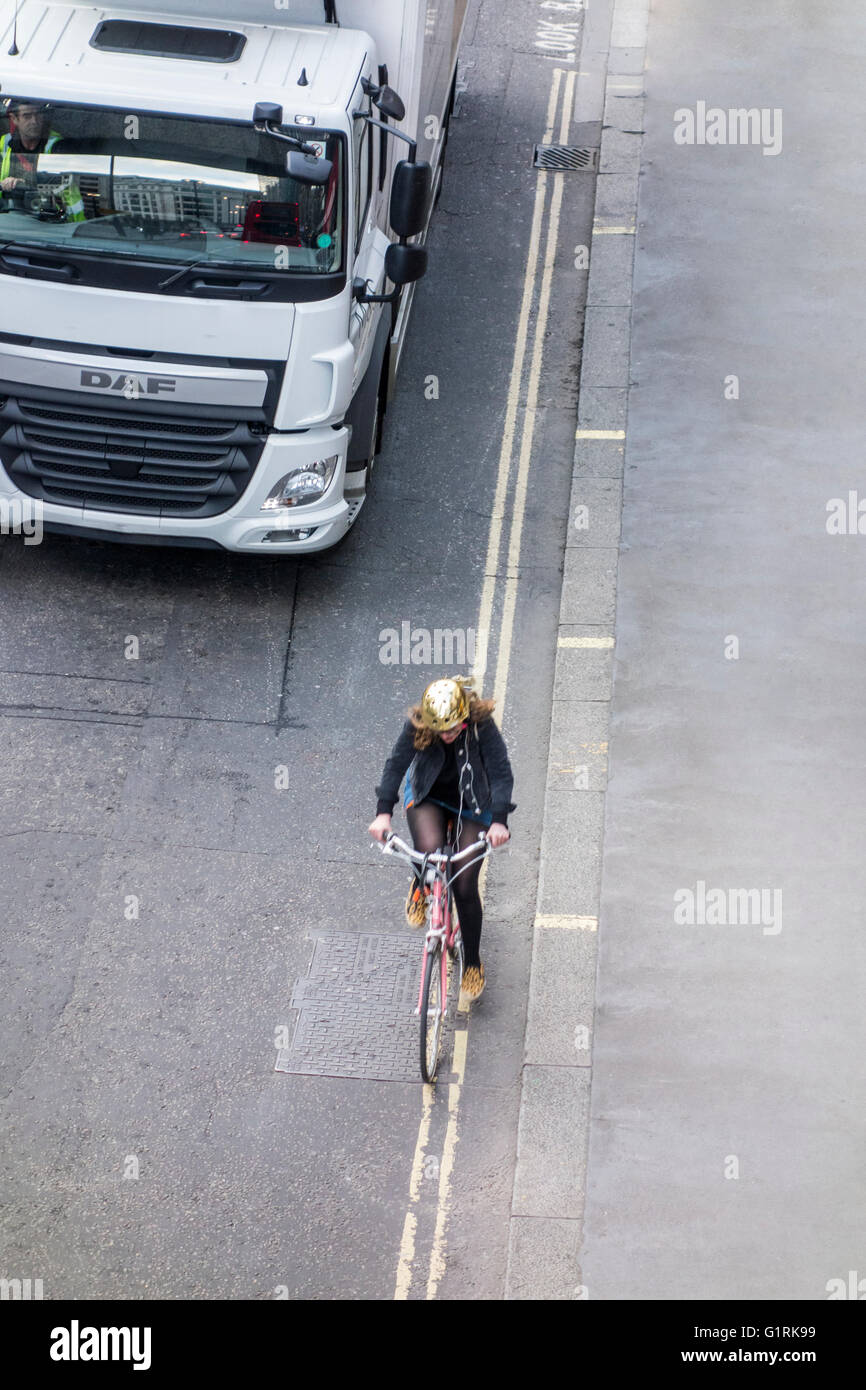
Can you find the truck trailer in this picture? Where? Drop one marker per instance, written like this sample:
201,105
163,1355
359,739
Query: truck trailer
212,220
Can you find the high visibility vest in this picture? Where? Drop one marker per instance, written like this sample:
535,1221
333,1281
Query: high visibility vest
8,153
71,195
74,203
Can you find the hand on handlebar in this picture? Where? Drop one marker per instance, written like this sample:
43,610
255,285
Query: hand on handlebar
498,834
380,827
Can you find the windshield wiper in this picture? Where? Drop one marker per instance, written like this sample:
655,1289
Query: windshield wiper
182,273
237,285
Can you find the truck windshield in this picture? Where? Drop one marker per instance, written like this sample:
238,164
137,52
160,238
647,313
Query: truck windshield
166,188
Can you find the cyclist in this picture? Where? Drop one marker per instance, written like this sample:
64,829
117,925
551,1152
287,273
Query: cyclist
456,766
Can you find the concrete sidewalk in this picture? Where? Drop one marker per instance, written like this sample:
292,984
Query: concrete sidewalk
722,1093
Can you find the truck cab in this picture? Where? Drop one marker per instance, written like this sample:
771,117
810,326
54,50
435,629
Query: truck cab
203,261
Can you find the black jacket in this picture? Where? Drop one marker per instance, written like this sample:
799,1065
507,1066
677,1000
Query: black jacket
482,759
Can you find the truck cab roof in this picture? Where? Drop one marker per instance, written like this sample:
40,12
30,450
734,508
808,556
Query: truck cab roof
58,60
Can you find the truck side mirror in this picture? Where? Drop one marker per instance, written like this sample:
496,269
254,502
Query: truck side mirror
307,169
403,264
389,103
384,97
267,113
410,194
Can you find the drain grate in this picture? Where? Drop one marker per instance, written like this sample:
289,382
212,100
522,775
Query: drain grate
356,1010
565,157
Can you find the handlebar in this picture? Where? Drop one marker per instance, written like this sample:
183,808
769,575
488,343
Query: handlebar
394,845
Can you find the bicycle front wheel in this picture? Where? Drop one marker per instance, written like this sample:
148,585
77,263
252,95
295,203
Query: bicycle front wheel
432,1006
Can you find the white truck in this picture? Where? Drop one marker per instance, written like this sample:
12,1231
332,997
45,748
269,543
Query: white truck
212,218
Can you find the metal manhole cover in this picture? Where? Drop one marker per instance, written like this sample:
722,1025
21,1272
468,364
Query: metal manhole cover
565,157
356,1010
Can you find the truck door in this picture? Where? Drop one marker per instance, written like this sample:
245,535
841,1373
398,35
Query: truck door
368,253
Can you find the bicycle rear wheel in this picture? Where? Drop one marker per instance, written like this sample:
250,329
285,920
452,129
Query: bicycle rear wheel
432,1007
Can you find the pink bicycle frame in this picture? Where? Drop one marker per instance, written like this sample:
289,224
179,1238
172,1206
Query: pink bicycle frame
441,924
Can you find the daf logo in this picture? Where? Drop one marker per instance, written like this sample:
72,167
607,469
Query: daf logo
128,385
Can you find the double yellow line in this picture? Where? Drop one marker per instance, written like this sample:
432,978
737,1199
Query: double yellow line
509,501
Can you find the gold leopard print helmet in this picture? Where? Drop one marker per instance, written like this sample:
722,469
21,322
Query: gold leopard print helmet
445,703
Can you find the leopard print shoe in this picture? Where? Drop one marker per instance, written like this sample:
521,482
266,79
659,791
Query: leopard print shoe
416,905
473,983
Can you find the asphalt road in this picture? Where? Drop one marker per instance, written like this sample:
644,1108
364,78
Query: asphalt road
167,894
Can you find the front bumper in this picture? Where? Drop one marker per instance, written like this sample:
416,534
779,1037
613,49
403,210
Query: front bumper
245,527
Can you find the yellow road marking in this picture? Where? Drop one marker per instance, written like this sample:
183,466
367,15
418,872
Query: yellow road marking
599,434
522,480
585,642
437,1259
407,1245
613,231
437,1256
565,923
494,538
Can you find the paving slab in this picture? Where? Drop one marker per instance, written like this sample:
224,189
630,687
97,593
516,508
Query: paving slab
589,585
606,347
542,1259
559,1024
553,1119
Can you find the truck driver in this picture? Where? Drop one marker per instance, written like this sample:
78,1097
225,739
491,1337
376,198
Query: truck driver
29,136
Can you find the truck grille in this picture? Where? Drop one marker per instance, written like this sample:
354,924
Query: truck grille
108,460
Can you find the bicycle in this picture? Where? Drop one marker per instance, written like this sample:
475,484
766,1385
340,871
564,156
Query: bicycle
443,943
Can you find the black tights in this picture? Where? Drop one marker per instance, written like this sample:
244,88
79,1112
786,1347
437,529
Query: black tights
428,824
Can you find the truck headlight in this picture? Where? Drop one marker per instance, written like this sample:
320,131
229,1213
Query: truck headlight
302,485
